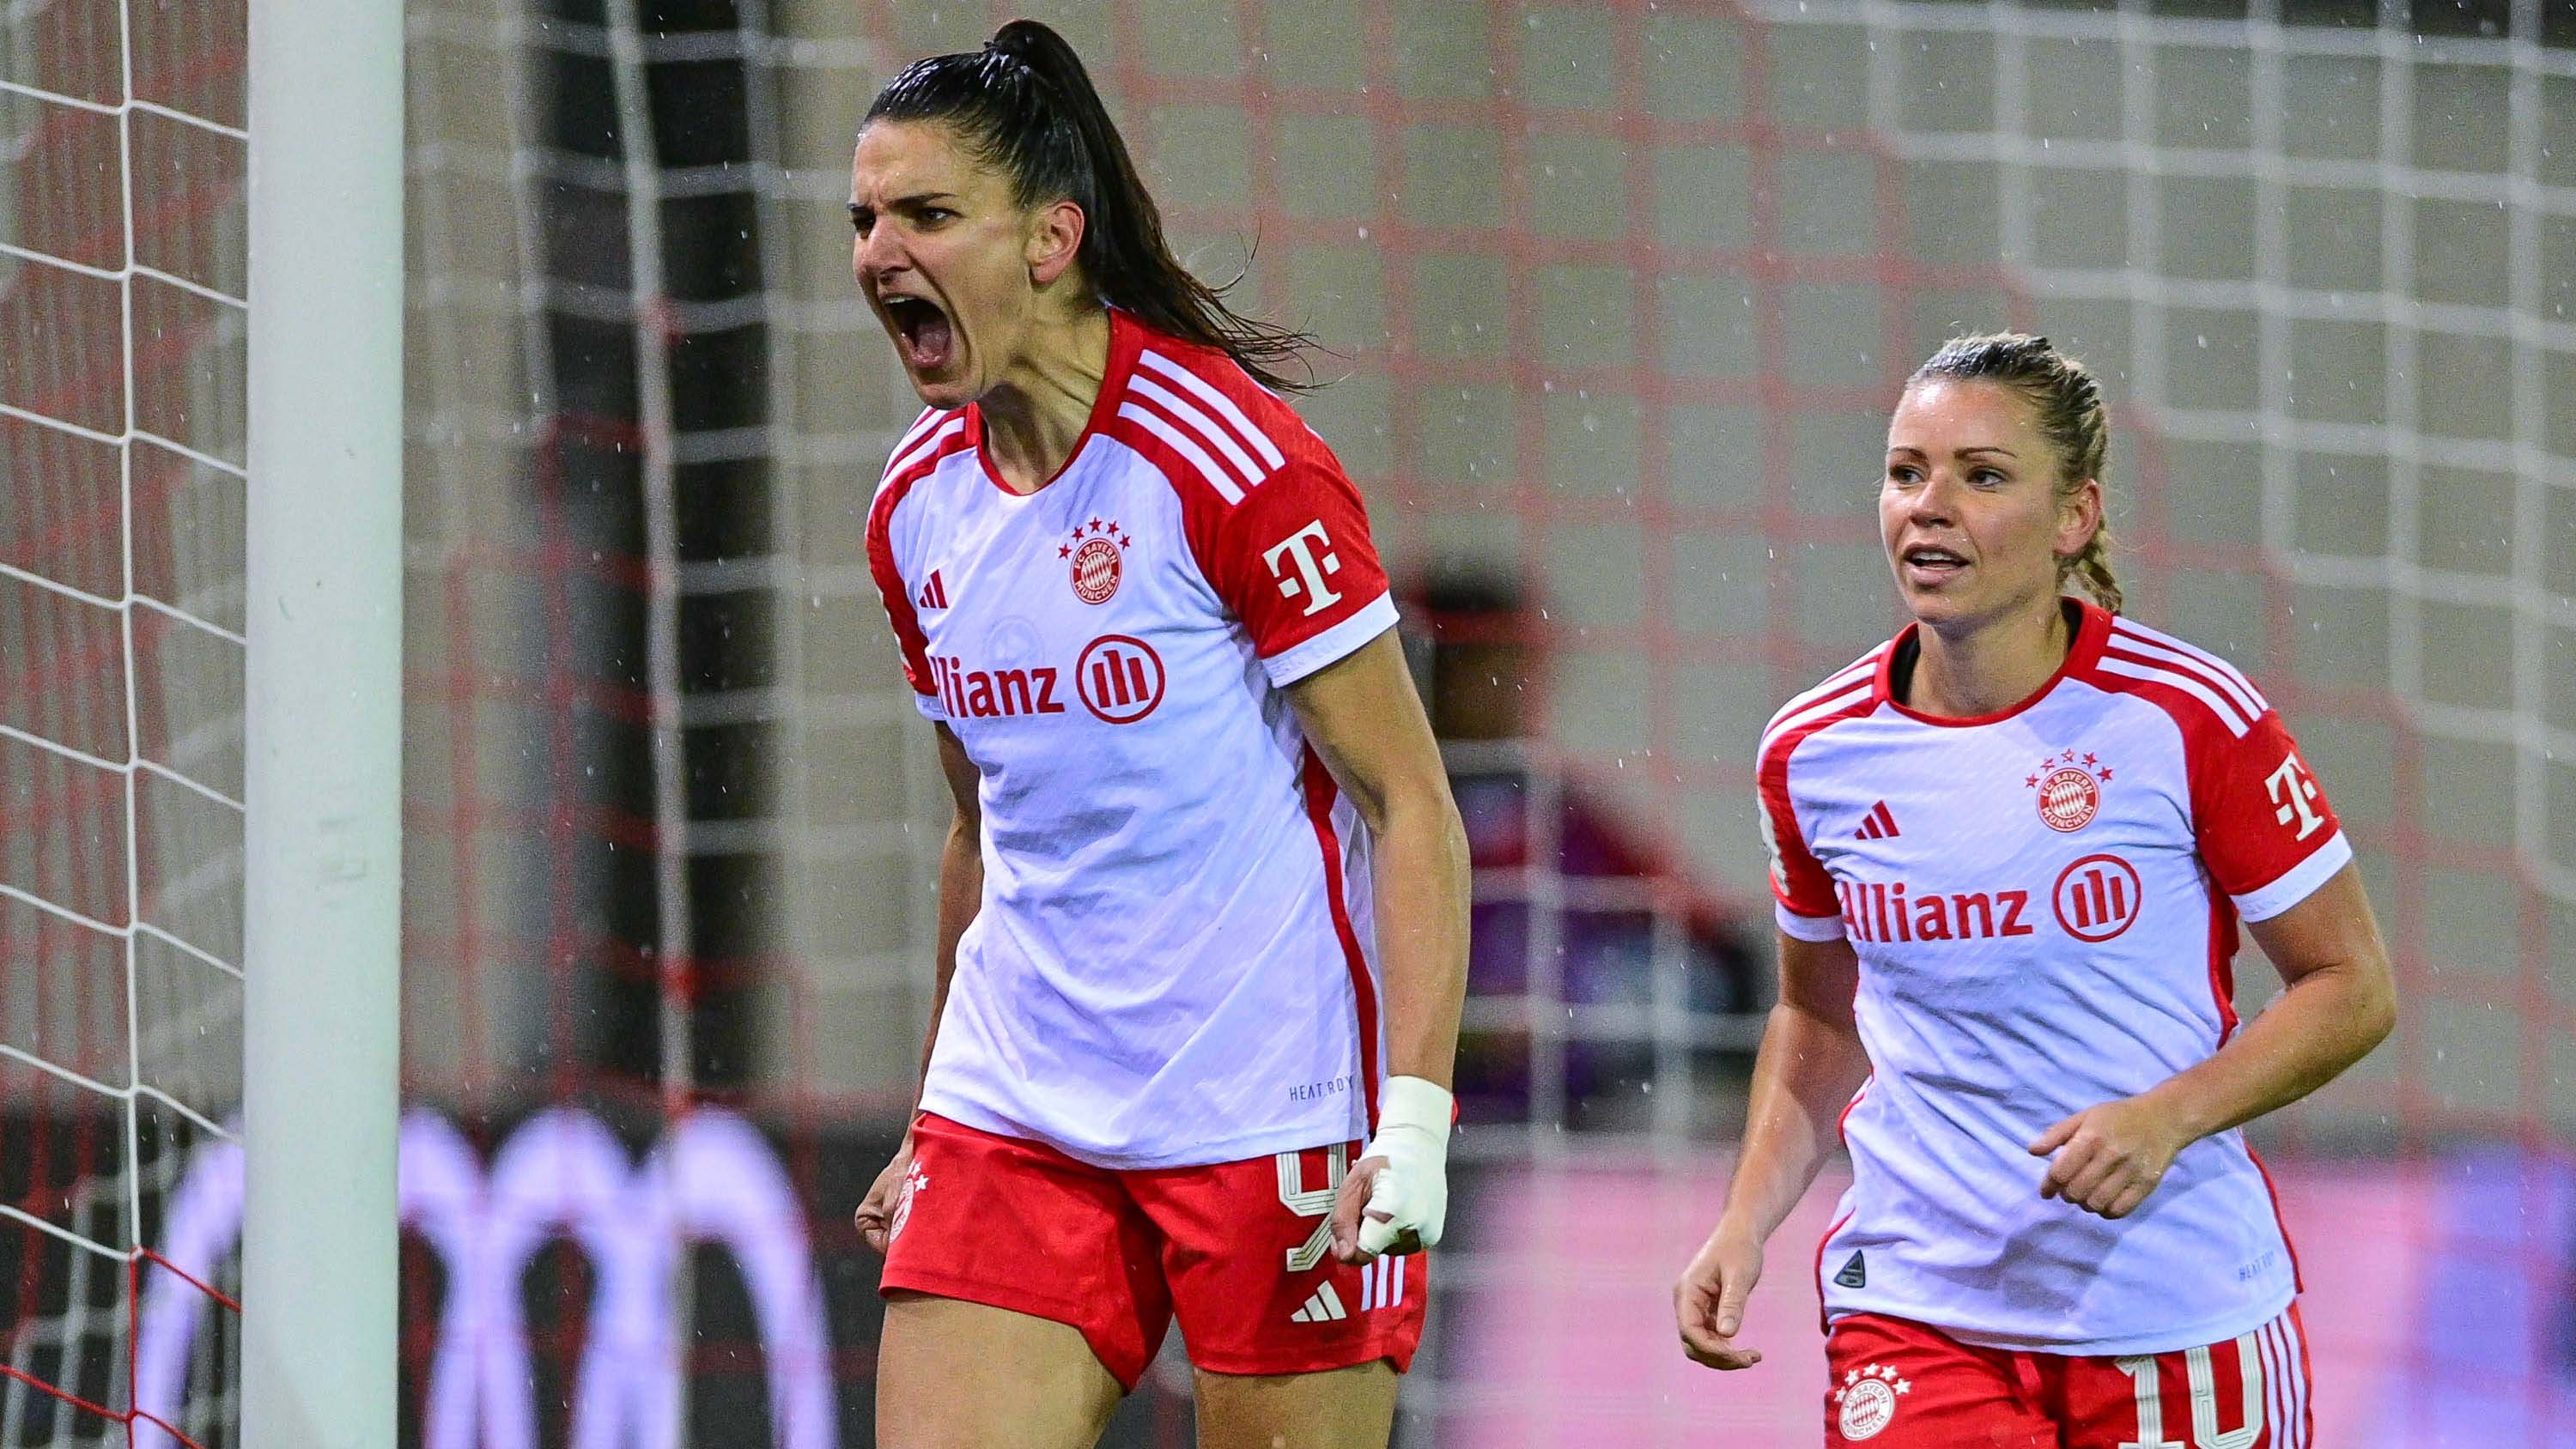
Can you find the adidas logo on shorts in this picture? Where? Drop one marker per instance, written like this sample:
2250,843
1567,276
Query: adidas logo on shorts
1381,1286
1322,1306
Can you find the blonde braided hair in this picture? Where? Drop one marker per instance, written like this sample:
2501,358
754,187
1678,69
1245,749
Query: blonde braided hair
2071,417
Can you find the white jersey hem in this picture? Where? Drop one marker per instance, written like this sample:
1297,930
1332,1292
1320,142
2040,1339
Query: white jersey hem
2208,1331
1266,1142
2297,883
1345,638
1807,928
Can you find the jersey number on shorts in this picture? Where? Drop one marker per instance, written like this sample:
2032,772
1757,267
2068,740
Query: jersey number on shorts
2205,1433
1315,1202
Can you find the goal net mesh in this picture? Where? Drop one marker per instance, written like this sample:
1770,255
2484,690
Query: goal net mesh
122,428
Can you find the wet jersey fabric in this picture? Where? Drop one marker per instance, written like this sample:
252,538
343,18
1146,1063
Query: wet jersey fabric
1172,962
2044,903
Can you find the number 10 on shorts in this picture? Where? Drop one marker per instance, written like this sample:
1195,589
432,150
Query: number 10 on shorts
2203,1379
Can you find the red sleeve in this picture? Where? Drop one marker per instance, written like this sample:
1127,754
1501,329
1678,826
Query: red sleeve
2263,826
897,597
1809,907
1295,563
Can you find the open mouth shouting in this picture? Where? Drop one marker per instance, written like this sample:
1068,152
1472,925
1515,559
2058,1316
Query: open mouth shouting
923,334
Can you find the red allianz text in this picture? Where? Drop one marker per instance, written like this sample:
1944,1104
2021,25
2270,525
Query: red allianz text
978,694
1881,912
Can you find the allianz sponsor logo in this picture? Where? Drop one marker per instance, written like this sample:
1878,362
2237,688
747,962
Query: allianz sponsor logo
1884,911
2094,899
1118,678
560,1175
990,693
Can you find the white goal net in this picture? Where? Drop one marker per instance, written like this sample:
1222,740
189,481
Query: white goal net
122,440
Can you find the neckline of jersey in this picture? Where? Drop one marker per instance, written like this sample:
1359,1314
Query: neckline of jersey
2092,630
1125,341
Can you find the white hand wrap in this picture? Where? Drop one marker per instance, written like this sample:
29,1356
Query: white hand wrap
1413,1188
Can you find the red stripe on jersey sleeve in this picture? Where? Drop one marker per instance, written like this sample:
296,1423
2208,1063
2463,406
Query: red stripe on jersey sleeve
923,445
916,465
1289,553
1295,558
1213,447
1255,416
1798,880
922,426
2256,812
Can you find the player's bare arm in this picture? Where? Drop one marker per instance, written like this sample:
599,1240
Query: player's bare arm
961,888
2340,1001
1366,722
1810,1063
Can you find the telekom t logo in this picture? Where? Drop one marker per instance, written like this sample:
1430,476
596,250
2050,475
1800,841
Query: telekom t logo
1312,552
2291,791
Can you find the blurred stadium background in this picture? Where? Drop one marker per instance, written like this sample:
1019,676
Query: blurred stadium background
1616,296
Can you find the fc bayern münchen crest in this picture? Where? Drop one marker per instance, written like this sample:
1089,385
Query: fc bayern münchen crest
2070,793
914,1181
1097,560
1868,1400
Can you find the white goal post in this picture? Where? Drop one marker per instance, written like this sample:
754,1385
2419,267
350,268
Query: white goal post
324,725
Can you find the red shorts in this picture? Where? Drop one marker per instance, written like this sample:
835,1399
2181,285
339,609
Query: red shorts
1901,1385
1237,1250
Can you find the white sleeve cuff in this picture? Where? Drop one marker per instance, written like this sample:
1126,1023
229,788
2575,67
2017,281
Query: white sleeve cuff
2297,883
1806,928
1299,660
931,706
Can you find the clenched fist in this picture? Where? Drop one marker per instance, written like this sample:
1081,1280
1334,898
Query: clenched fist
876,1211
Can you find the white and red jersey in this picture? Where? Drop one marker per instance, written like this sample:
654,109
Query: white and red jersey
1173,962
2044,903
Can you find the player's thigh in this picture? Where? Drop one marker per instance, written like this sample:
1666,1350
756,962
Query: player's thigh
2249,1392
1901,1385
956,1375
999,1243
1343,1408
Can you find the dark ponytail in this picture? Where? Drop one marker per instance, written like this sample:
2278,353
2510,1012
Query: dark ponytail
1026,107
